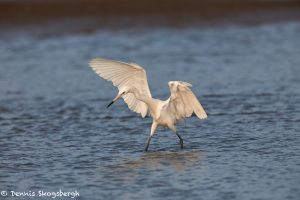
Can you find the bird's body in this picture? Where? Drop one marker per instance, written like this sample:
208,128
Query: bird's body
132,83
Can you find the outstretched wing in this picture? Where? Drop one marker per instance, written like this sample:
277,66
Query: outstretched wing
123,74
183,101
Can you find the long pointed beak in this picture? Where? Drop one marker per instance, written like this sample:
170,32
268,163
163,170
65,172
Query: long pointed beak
110,104
114,100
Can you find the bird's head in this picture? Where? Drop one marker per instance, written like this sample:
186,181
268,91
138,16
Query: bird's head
122,91
173,85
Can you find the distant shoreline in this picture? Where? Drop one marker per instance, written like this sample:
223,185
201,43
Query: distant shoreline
38,11
69,16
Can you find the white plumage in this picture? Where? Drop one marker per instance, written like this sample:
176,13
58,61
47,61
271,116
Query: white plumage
131,81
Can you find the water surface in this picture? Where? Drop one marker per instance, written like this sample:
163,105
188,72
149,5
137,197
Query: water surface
56,133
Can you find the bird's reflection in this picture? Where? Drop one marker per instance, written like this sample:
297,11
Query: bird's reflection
153,161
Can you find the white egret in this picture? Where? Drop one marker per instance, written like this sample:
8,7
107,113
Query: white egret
131,81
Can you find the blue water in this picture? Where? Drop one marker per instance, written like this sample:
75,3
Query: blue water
56,133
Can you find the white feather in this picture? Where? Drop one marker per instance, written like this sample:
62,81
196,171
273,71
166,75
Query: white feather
122,75
184,101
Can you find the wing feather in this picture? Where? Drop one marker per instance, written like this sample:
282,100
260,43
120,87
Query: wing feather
122,74
184,101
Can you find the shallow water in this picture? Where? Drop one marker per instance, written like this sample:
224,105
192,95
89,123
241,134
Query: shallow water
56,133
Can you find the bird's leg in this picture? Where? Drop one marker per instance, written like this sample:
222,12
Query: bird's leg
180,138
148,143
153,128
173,128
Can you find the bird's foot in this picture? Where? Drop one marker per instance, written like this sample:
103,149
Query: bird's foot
146,149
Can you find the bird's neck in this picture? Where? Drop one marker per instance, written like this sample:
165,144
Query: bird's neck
144,98
149,101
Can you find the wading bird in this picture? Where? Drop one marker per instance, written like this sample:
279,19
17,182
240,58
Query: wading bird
131,81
